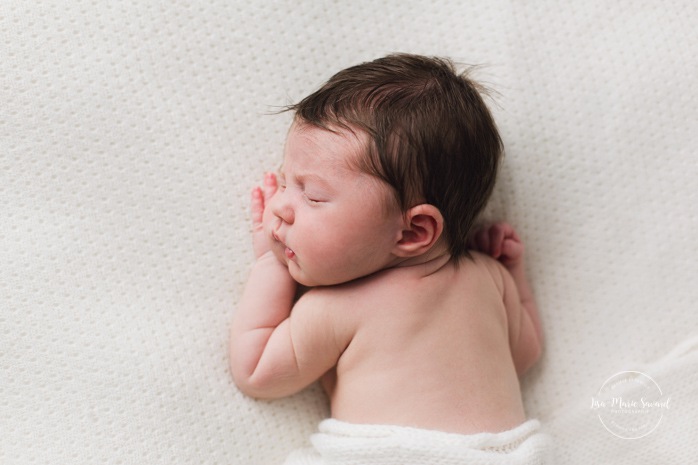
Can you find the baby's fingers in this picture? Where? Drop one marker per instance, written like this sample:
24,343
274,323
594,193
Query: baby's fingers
257,207
270,185
497,233
512,251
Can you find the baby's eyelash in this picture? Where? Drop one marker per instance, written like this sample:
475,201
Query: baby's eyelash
310,199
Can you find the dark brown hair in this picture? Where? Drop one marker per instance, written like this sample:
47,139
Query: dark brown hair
432,137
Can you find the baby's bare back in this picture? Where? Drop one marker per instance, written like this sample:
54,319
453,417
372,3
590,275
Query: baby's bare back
429,349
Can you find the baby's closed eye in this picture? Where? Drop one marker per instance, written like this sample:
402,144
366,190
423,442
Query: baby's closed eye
313,198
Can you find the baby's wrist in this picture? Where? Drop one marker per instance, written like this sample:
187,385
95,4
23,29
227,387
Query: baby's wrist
270,264
267,257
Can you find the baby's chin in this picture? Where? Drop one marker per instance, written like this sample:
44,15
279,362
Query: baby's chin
293,269
300,277
306,279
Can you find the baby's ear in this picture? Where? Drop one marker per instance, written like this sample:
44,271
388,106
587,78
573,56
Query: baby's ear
422,227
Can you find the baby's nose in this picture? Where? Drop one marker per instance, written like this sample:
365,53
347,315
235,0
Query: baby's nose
282,209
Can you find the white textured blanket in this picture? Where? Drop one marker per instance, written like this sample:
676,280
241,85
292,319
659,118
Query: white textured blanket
132,132
341,443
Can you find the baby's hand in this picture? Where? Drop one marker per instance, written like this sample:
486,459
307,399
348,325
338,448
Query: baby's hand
261,242
501,242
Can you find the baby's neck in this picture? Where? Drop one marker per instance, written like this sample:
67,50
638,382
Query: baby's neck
427,263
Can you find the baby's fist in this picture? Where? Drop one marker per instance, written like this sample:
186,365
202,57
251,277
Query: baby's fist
499,241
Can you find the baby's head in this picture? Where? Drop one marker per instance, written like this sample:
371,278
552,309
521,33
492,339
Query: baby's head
430,136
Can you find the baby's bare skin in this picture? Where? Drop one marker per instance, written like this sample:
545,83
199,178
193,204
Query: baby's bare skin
428,346
397,331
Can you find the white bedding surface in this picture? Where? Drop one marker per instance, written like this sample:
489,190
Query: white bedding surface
131,134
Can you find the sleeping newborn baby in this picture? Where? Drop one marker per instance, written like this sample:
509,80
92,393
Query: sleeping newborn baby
418,335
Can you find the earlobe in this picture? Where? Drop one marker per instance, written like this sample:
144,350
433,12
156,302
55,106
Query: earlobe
423,227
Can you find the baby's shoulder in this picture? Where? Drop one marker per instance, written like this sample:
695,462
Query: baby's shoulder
395,285
484,265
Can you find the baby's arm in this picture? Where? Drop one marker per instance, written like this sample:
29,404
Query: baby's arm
501,242
275,352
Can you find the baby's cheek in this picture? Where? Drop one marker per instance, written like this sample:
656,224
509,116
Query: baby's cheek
326,256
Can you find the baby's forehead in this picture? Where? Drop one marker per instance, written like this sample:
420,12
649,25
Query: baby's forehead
345,147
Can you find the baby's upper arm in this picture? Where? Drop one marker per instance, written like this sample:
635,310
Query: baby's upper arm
523,339
301,349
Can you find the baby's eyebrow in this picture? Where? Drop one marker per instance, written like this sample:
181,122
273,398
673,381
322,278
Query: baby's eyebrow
306,177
